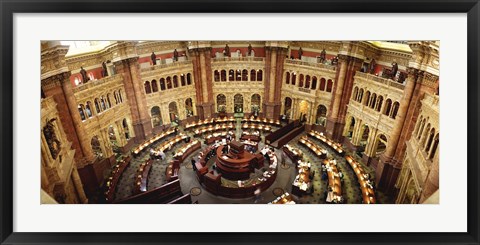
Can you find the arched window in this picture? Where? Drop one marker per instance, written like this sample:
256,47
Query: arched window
81,111
88,109
216,76
314,83
379,103
175,81
420,131
307,81
329,85
321,115
120,96
109,104
434,147
294,78
238,75
300,82
173,111
259,75
125,128
287,107
97,105
115,94
255,102
102,102
169,82
156,116
189,107
238,103
189,79
287,77
396,105
182,79
360,95
154,86
355,93
147,87
221,103
162,84
425,134
253,75
373,100
223,75
322,84
429,140
388,107
245,75
381,144
231,75
367,98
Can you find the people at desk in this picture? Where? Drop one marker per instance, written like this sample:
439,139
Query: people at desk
193,165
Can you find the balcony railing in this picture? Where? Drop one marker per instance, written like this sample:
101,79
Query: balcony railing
249,59
167,65
84,86
304,63
382,80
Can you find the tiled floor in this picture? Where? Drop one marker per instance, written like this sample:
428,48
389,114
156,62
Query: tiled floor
285,176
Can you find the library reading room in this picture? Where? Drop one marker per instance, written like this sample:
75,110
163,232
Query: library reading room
240,122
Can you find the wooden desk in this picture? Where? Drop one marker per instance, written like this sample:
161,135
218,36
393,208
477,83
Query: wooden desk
186,150
293,153
211,128
209,121
112,181
317,150
302,184
286,198
368,192
263,121
335,146
165,146
141,177
262,127
333,178
144,145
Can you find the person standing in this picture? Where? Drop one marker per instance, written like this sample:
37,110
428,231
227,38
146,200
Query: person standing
175,55
83,72
154,58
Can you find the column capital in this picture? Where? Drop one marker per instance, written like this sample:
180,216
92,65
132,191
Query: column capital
56,80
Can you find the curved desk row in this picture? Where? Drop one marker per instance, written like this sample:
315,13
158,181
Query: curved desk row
366,187
211,138
253,136
141,179
112,181
293,153
317,150
137,150
211,128
262,127
303,182
206,122
335,195
262,120
168,145
286,198
335,146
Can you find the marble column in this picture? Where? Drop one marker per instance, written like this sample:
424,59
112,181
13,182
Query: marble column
387,162
337,97
79,186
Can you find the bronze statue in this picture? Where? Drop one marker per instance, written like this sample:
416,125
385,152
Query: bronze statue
84,75
51,138
323,56
154,58
104,69
300,53
373,63
175,55
227,50
394,70
250,49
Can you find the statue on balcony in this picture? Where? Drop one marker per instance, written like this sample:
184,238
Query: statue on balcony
154,58
104,69
51,138
175,55
335,60
227,50
83,72
373,63
300,53
323,56
250,49
394,70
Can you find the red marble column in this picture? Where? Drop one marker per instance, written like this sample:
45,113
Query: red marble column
137,102
202,71
274,61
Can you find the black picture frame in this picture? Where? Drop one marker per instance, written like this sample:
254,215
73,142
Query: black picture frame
9,7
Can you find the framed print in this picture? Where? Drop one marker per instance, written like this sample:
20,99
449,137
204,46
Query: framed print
270,122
